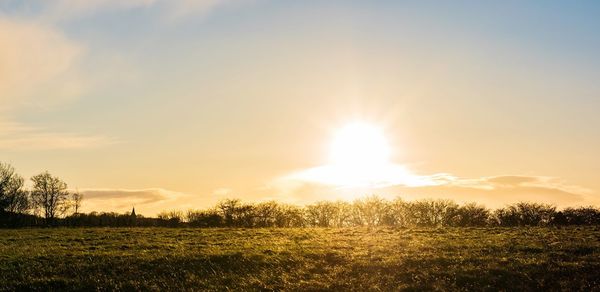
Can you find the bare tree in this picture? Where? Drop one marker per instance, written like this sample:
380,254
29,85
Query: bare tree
471,214
266,213
229,209
13,196
321,214
525,214
370,211
289,216
76,198
49,194
398,213
173,215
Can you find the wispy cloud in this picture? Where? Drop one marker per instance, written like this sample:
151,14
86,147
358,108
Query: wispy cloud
66,10
185,8
19,137
378,176
40,68
496,191
39,65
506,182
493,191
148,201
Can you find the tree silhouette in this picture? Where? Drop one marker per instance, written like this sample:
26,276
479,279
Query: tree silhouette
49,194
13,196
76,199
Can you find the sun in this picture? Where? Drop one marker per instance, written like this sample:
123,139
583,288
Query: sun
360,158
359,144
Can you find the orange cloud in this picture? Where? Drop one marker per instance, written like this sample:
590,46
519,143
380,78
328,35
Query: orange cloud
494,191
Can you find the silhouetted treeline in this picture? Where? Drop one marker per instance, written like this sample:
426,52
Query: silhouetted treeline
376,211
370,211
49,203
94,219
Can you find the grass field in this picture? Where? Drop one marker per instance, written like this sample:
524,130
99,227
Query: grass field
300,259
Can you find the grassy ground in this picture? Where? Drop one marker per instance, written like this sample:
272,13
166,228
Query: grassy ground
301,259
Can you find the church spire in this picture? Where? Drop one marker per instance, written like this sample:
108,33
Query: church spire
133,212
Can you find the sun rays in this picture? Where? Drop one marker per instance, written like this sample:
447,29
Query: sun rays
360,158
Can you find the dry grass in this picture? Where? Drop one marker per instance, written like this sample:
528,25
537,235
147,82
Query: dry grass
301,259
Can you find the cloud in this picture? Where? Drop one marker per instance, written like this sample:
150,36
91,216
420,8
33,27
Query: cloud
144,196
493,191
497,191
40,68
379,175
19,137
509,182
184,8
66,10
38,65
148,201
222,193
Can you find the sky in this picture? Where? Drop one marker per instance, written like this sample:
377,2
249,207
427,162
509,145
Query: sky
177,104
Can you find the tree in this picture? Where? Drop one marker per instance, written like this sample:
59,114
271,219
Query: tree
236,214
13,197
266,213
370,211
525,214
578,216
321,214
433,213
76,199
289,216
204,218
49,194
398,214
471,214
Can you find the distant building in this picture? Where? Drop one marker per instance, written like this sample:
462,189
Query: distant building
132,218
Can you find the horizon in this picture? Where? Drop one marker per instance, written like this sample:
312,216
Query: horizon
176,105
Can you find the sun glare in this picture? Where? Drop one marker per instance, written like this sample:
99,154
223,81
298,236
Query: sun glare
360,158
359,145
